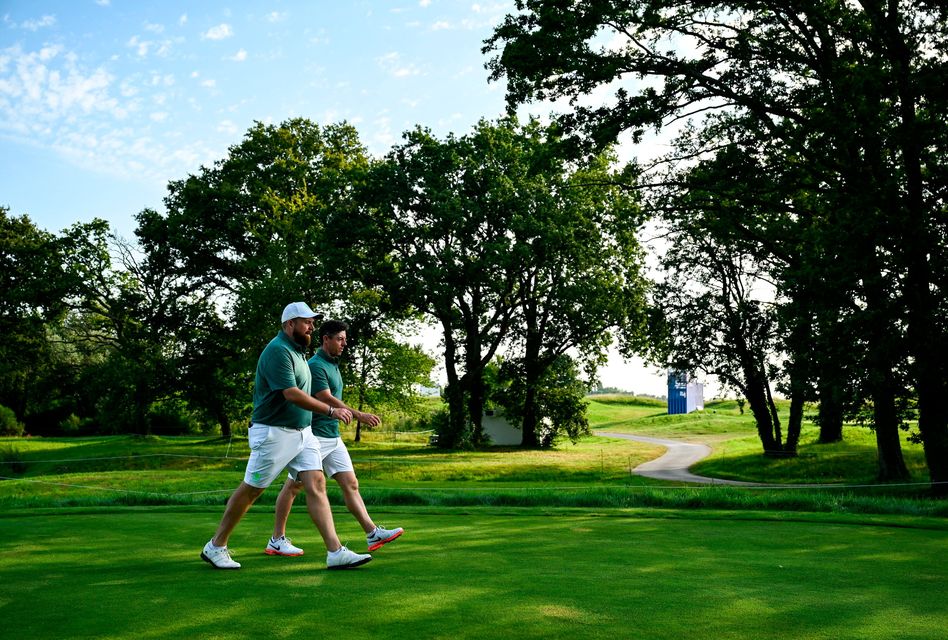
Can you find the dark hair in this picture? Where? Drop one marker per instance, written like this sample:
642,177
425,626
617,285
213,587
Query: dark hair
331,328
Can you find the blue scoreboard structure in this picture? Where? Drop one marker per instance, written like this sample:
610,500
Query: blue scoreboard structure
684,394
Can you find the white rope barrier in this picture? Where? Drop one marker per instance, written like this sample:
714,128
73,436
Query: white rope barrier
588,487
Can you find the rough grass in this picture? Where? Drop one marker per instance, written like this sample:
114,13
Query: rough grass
398,468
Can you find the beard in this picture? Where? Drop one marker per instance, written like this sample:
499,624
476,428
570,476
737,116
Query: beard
301,338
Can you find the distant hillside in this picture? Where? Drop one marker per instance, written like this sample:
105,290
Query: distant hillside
628,399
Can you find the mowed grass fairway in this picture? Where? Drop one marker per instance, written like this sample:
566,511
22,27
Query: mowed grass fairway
482,573
102,536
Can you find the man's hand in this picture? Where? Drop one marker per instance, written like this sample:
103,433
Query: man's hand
342,414
369,419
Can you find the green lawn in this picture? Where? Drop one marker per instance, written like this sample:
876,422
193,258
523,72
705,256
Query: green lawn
135,573
102,537
736,449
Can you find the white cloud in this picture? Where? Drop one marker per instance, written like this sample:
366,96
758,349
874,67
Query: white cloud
43,89
382,138
159,116
441,25
35,25
183,20
210,84
154,28
103,3
162,80
424,3
226,126
276,16
391,63
140,46
240,56
219,32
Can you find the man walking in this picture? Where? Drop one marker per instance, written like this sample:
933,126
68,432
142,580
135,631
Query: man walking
280,437
336,463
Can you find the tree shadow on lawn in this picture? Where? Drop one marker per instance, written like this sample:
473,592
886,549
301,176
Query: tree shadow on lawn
474,574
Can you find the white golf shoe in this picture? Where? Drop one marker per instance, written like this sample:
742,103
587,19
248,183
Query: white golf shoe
219,557
342,558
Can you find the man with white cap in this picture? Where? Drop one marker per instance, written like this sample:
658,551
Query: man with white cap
280,437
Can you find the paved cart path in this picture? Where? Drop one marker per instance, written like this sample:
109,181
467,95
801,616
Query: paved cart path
675,463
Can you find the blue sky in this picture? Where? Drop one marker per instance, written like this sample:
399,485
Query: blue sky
102,102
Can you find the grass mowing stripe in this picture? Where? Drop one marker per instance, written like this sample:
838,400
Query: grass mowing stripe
136,573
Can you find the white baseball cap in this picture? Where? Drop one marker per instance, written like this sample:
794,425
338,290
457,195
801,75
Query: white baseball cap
298,310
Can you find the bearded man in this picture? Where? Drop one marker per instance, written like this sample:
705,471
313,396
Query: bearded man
280,437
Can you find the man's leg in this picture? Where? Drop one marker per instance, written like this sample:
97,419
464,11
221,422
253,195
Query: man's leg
284,503
337,556
215,551
237,506
317,502
350,493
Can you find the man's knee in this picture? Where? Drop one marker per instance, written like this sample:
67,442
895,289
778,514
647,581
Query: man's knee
248,492
312,481
293,487
348,482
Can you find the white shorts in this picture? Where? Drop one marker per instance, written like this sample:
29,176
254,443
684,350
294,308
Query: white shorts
335,457
273,449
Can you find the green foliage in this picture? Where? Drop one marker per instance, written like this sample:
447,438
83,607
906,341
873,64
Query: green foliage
35,289
448,434
249,233
71,425
823,165
557,401
9,424
171,416
11,462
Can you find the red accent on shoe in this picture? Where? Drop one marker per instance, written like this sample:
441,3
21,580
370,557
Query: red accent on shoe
274,552
379,544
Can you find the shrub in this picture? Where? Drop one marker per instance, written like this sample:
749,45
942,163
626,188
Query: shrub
445,436
172,417
11,462
71,425
9,425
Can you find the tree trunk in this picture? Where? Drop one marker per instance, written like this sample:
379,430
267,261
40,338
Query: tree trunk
457,423
891,464
222,420
756,395
778,434
475,406
831,410
456,416
925,332
798,396
474,383
363,380
530,439
532,373
884,342
794,424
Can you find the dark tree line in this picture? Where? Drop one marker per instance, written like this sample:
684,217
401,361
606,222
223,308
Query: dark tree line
495,236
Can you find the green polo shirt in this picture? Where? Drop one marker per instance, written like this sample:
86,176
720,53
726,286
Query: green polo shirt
325,373
281,365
